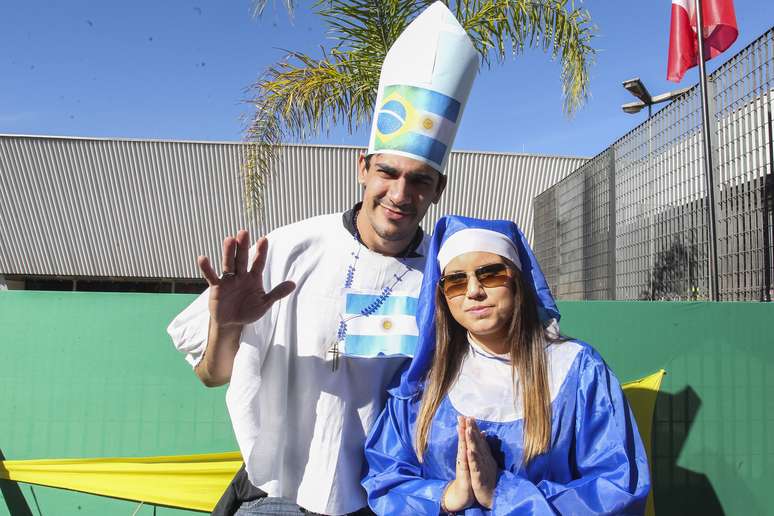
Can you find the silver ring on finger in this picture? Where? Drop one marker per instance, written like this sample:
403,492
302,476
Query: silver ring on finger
228,275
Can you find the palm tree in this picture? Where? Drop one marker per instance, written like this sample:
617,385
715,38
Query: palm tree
301,95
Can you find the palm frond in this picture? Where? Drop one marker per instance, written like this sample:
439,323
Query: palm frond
301,97
367,26
260,5
502,27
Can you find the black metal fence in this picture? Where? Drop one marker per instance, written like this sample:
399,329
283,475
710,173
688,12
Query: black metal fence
632,223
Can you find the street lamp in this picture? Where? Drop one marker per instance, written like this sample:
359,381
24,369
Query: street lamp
634,107
637,88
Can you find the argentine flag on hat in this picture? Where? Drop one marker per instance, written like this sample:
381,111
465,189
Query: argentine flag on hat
425,82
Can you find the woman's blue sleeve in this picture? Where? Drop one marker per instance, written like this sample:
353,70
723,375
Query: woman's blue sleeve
606,453
394,480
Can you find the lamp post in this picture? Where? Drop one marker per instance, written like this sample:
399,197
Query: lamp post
637,88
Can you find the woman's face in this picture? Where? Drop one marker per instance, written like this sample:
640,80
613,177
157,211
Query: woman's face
483,311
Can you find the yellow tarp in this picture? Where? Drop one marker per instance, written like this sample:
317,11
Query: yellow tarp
185,481
197,481
642,396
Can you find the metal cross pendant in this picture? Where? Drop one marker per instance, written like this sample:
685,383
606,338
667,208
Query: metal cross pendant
334,350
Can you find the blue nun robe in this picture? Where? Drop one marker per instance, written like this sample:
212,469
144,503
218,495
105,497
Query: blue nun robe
596,463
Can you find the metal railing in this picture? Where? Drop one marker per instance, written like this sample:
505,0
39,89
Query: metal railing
632,223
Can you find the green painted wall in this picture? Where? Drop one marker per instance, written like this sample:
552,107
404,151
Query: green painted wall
94,374
714,423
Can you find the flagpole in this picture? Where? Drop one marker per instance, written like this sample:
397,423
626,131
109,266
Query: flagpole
708,170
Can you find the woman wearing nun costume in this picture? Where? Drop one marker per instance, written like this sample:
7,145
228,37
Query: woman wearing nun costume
497,412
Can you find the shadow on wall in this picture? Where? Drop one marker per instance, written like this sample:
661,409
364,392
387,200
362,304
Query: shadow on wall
678,490
674,276
13,497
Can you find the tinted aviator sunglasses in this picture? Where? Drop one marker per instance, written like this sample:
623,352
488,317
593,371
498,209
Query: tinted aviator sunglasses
492,275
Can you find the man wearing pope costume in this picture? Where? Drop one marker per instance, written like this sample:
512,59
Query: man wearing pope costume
595,463
311,367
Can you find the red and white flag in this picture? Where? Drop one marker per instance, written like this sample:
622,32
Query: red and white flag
720,32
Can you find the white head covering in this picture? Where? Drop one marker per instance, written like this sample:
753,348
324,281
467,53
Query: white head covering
425,82
477,240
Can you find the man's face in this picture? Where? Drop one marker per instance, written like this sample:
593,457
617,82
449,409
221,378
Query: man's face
398,192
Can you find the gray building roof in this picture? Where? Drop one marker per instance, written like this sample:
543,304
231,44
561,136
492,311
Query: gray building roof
88,207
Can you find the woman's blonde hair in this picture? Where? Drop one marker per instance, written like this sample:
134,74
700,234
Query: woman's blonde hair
528,360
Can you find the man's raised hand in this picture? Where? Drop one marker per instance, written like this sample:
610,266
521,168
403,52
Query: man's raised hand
237,297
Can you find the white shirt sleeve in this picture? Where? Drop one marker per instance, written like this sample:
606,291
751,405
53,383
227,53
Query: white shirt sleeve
190,328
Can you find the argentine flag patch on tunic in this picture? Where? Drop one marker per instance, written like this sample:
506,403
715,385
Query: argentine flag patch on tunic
416,121
390,330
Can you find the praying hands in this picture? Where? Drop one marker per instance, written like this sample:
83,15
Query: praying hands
476,470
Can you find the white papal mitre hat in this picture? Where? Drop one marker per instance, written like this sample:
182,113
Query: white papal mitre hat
425,82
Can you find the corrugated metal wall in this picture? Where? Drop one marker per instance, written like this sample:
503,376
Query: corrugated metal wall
146,209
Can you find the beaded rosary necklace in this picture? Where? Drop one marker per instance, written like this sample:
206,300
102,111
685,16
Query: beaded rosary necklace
371,308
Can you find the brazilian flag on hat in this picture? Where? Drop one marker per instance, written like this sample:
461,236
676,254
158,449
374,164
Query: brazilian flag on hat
425,82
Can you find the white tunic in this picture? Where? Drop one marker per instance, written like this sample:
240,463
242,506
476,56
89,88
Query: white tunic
301,426
484,388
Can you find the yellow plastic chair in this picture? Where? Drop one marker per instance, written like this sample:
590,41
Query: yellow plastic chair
642,396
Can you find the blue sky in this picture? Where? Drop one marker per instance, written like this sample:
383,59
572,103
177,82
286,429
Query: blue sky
180,69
